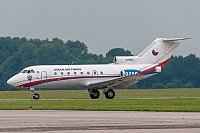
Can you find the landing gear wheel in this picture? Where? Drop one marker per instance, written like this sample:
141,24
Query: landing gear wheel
110,94
94,94
36,96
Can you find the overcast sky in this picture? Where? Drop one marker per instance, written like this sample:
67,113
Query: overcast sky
104,24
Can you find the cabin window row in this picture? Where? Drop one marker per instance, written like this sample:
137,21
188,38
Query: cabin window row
75,73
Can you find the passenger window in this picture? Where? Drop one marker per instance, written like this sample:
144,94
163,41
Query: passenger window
74,73
88,73
68,73
101,72
61,73
81,73
55,73
38,71
32,71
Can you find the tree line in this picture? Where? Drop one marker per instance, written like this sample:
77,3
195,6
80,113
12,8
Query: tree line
17,53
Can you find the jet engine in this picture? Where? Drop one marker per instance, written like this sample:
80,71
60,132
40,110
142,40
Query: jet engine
126,59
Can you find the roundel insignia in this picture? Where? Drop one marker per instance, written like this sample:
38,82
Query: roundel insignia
155,52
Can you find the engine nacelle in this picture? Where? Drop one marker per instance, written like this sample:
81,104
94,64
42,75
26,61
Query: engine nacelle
126,59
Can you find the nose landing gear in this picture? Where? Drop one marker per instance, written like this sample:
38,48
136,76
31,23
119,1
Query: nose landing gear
36,96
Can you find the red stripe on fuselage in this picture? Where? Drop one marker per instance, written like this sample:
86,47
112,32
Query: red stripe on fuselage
61,79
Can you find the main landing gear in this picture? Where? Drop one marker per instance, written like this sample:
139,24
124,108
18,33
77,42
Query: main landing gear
109,93
36,96
94,94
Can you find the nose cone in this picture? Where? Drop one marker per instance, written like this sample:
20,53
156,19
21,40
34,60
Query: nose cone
12,81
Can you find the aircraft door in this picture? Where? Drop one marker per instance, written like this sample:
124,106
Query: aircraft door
94,73
43,76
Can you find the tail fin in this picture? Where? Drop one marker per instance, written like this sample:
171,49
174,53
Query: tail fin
160,51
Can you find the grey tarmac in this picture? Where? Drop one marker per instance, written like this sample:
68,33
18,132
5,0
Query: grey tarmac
59,121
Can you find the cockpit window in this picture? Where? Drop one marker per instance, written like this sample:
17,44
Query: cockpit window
23,71
28,71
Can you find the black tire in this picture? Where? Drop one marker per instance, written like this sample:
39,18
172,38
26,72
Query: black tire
36,96
110,94
94,94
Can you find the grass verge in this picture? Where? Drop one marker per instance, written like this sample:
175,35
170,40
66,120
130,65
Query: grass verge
179,100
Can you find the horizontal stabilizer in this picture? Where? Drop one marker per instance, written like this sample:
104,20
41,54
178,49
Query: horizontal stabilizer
174,39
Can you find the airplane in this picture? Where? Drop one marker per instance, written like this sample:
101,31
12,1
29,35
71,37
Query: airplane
123,72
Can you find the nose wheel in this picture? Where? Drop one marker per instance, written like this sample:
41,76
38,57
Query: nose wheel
36,96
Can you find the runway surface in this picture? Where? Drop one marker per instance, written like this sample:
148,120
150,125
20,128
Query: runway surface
49,121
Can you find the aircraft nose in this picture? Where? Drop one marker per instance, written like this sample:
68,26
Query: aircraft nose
11,81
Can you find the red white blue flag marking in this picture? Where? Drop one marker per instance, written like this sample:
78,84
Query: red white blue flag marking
154,52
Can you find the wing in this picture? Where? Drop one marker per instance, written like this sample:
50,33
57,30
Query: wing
119,83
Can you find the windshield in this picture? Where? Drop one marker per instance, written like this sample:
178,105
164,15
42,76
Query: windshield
28,71
23,71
